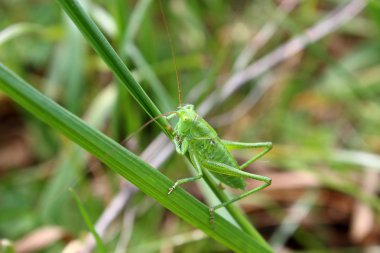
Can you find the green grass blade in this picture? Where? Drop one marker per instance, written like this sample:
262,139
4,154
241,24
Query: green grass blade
99,243
100,44
128,165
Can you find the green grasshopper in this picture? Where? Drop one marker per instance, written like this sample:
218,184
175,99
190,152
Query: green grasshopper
193,135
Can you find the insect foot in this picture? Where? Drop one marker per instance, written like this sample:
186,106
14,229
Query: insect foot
171,189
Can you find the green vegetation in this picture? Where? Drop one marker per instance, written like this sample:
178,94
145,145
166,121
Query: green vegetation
256,70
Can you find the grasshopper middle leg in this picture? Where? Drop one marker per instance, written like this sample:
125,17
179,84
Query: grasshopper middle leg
186,180
231,145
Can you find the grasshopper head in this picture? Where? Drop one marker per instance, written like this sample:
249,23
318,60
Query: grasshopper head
186,113
186,116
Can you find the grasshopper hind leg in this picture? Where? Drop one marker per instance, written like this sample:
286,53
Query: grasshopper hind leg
231,171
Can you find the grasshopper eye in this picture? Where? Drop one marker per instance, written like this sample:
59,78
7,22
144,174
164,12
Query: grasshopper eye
186,118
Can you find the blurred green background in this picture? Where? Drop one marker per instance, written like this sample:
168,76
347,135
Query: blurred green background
302,74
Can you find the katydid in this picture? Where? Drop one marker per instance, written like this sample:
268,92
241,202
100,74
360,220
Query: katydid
195,137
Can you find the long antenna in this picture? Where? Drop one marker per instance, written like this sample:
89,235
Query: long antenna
145,125
173,54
